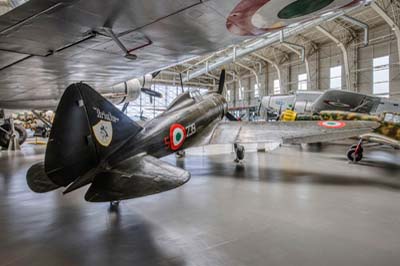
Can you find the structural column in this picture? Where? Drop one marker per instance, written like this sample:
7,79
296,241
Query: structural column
391,23
345,55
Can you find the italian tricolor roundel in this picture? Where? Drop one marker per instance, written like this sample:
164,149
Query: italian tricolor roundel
332,124
177,135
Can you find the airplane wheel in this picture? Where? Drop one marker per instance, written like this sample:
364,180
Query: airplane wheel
114,203
358,157
239,150
114,206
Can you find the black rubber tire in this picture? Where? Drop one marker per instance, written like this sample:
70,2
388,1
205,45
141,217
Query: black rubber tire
5,139
350,155
240,152
22,133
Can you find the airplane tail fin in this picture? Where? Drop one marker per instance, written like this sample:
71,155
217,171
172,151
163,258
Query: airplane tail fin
86,129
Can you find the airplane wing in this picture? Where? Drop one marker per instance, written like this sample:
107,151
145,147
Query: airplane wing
287,132
135,177
45,45
342,100
380,139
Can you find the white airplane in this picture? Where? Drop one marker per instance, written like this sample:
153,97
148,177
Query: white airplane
307,102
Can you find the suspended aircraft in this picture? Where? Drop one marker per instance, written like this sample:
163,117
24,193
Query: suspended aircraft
46,45
92,142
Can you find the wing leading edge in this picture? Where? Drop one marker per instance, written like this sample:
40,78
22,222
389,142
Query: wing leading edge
135,177
287,132
380,139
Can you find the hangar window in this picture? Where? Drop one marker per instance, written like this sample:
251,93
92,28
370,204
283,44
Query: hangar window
241,93
256,90
277,86
336,78
302,82
381,76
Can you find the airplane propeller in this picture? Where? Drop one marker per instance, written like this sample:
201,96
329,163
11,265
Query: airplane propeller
231,117
221,84
180,77
151,92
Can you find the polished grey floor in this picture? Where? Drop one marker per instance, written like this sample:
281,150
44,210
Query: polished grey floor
292,206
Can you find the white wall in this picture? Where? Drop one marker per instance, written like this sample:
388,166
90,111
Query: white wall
327,56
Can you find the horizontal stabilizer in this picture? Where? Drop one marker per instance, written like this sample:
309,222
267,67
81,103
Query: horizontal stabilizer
37,179
136,177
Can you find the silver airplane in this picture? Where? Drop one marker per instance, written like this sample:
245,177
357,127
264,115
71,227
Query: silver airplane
92,142
308,102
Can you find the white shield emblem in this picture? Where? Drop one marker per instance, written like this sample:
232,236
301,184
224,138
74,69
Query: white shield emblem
103,132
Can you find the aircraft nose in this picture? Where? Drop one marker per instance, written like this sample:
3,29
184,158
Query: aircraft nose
223,103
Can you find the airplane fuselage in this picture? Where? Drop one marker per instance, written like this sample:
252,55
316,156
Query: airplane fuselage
174,129
389,129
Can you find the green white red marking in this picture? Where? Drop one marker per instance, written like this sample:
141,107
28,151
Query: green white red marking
177,136
332,124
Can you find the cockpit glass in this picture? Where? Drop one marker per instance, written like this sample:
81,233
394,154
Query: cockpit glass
195,93
388,117
396,119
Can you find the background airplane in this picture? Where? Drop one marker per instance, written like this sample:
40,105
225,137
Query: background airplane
92,142
304,102
388,132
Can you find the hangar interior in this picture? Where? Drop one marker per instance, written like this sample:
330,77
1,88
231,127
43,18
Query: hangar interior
293,202
263,67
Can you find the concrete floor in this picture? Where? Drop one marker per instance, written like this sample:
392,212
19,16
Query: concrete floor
292,206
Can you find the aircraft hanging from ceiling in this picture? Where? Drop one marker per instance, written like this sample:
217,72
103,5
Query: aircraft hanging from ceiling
45,45
92,142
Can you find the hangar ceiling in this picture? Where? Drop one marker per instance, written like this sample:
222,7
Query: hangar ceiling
310,38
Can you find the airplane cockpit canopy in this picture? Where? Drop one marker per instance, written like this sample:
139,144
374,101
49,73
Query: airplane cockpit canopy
392,118
185,99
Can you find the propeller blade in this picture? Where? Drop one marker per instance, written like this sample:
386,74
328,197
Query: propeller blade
279,113
151,92
230,117
155,74
221,82
125,107
180,77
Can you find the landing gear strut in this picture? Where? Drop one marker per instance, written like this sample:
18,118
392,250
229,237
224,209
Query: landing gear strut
180,154
239,151
114,205
355,153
